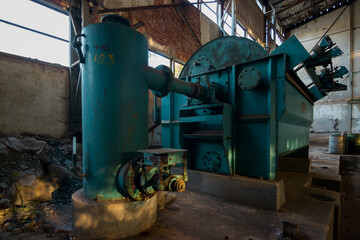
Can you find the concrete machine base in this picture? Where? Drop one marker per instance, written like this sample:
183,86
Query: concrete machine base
264,194
111,219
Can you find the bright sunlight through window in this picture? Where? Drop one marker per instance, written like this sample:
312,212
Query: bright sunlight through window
18,41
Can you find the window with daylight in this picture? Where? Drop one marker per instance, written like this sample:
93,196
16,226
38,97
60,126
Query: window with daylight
177,69
209,10
278,40
272,33
227,23
157,59
240,31
19,41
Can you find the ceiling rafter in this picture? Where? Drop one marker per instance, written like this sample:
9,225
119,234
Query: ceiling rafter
290,5
299,12
294,13
306,19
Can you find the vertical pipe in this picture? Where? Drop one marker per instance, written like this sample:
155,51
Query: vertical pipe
233,15
155,110
85,13
218,15
351,94
74,145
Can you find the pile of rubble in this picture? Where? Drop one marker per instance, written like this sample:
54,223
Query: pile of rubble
35,171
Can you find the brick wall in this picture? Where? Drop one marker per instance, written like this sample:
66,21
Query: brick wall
167,32
164,28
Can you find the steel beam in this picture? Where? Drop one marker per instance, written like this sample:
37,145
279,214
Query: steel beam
33,30
331,8
188,26
147,7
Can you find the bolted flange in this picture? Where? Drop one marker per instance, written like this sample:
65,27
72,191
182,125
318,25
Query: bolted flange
249,78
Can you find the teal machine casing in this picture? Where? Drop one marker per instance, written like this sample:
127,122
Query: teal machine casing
235,108
115,82
114,103
260,111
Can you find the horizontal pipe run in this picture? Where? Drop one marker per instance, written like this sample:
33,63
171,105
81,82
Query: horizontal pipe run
188,89
157,80
161,81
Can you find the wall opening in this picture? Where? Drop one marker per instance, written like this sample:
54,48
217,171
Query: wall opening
20,14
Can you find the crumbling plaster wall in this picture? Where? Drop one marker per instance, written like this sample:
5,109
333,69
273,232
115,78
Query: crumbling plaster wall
34,97
333,113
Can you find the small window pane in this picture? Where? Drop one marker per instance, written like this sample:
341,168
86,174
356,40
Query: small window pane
240,31
156,60
178,68
227,24
278,40
35,16
209,10
227,29
18,41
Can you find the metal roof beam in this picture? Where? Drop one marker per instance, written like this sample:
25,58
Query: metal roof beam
301,21
290,5
147,7
282,19
313,6
278,2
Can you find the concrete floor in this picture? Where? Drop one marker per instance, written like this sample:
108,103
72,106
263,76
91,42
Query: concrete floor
328,164
311,204
312,207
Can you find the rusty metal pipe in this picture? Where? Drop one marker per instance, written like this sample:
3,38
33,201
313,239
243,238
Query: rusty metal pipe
189,89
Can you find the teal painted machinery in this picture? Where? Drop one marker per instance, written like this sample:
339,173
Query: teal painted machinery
115,83
256,110
235,109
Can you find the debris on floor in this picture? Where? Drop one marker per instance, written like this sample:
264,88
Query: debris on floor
35,183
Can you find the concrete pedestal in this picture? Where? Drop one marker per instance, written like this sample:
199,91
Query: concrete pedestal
255,192
111,219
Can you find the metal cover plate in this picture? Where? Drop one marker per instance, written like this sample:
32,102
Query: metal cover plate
224,52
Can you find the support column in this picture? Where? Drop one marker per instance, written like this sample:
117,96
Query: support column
350,86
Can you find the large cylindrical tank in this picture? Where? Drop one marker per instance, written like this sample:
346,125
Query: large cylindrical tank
337,143
114,102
